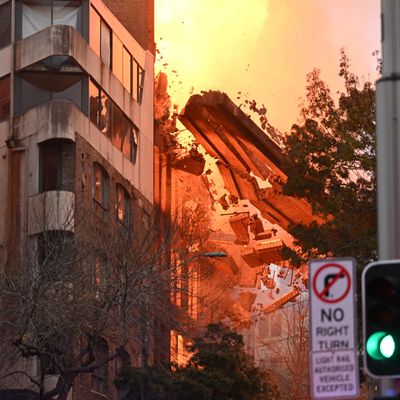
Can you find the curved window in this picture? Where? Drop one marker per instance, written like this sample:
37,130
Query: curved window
101,191
123,212
36,15
33,88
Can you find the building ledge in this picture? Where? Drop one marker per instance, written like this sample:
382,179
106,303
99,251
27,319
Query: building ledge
56,119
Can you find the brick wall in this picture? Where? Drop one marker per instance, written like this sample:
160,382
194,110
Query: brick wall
138,18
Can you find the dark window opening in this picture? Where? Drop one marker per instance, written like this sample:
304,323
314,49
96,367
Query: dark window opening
5,25
33,88
56,160
101,191
5,98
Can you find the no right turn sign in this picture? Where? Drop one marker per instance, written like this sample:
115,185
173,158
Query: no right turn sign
334,365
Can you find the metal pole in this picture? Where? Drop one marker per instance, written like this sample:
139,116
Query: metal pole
388,144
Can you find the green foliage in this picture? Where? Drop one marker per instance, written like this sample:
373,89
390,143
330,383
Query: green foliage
330,161
218,370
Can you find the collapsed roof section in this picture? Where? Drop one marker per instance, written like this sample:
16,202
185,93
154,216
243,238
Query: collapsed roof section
244,152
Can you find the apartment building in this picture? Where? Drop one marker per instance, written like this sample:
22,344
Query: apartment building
76,130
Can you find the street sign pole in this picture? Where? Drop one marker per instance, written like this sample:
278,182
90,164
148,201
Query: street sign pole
333,340
388,143
388,134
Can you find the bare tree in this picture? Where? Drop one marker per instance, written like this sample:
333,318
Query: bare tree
74,301
288,351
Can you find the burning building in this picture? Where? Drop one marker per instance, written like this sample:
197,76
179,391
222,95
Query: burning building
241,187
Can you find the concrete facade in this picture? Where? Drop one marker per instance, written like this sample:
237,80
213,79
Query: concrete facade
27,206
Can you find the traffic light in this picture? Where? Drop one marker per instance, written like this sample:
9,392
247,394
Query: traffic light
381,318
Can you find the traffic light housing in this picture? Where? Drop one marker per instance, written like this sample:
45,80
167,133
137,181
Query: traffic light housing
381,318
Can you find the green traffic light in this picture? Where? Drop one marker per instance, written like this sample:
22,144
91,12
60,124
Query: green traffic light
387,346
380,345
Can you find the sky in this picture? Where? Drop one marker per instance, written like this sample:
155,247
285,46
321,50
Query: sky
263,48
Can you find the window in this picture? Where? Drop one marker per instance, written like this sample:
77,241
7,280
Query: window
179,354
5,25
100,277
135,74
94,102
137,81
140,83
54,158
105,114
67,13
33,88
100,191
100,376
112,52
100,37
67,86
123,206
117,50
117,117
4,98
94,31
37,15
127,70
105,43
127,144
135,141
112,122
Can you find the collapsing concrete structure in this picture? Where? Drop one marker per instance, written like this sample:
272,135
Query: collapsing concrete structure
244,152
252,168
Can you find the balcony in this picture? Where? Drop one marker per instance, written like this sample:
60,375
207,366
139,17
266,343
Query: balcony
52,210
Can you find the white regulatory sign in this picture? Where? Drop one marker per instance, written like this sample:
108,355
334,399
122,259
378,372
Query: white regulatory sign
334,365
